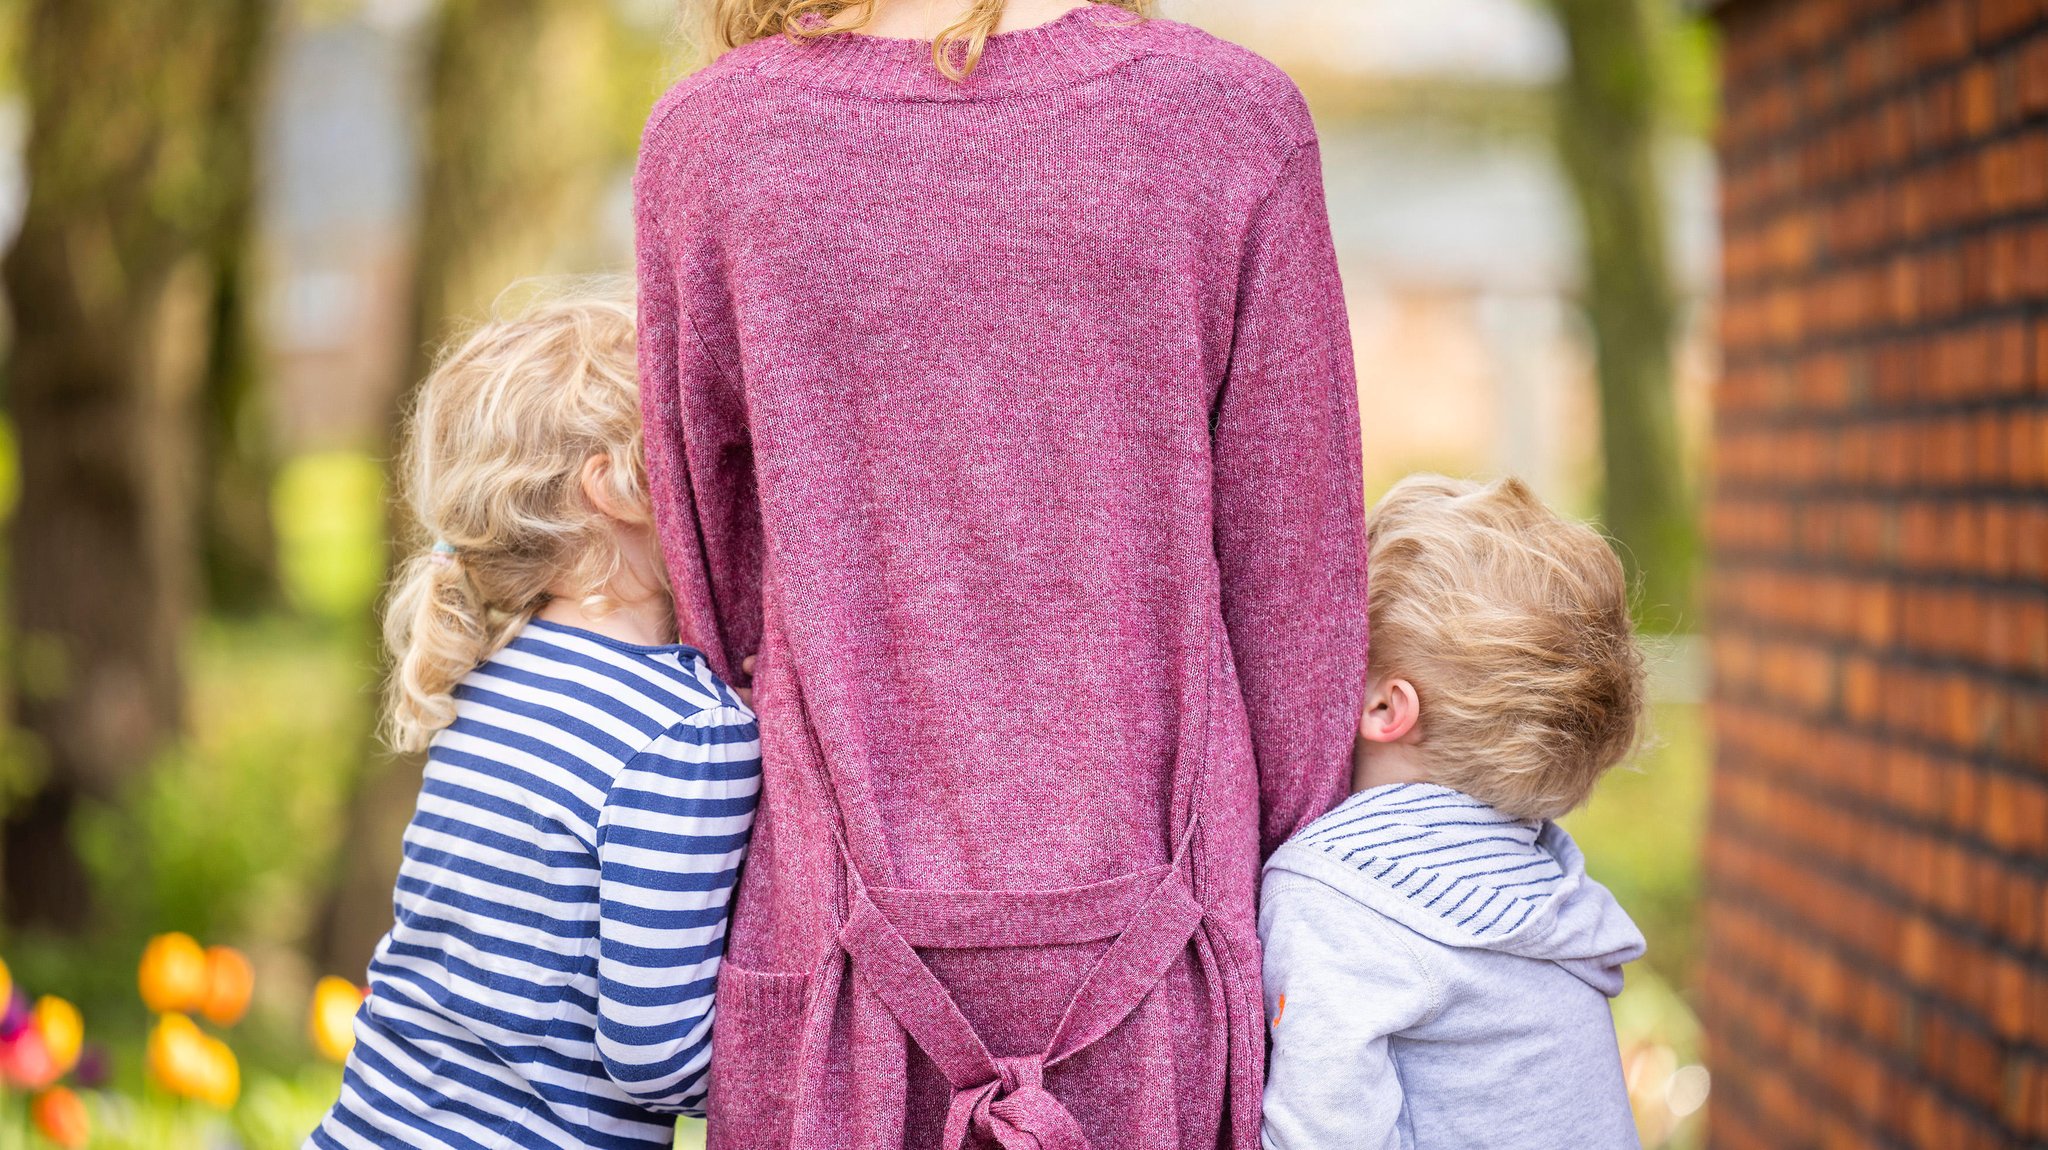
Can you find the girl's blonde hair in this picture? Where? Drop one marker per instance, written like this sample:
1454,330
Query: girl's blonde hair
494,451
1512,623
955,53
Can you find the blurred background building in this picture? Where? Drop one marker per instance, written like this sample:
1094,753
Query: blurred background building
1457,231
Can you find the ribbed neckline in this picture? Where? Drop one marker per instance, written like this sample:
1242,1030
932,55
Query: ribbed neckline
1080,45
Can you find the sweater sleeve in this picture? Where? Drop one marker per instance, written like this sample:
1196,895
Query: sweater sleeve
669,843
700,463
1289,521
1340,981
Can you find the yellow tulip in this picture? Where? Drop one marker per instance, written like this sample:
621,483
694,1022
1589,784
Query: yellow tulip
178,1056
62,1118
173,974
63,1031
6,982
220,1081
335,1002
229,982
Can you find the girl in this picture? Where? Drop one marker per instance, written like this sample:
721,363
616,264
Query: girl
999,395
589,784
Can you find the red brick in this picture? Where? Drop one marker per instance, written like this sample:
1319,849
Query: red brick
2033,71
1997,19
1881,545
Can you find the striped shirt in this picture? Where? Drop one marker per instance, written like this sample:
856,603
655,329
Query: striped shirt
561,909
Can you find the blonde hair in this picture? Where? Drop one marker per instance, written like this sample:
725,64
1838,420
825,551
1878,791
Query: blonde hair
1512,623
955,53
494,450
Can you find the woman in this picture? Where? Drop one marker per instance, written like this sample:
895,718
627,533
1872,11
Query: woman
999,394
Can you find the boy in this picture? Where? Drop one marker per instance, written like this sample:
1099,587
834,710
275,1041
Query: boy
1437,962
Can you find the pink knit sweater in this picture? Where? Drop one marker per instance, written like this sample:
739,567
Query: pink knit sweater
1013,424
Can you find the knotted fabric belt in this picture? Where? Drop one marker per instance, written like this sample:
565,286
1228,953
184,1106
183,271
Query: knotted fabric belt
1152,915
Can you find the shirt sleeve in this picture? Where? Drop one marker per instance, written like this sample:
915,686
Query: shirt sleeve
1340,981
669,844
1290,522
700,462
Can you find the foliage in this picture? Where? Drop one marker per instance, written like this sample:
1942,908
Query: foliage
329,510
1692,76
1660,1059
227,833
1642,833
139,120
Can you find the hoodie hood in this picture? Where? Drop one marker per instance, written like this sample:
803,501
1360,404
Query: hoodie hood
1460,873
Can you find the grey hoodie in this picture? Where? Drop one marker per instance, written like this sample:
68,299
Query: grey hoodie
1437,977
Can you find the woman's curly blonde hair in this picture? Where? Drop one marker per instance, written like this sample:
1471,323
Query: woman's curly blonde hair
955,53
1512,623
494,451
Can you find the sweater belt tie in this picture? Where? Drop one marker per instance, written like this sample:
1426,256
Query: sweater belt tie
1152,916
1015,1112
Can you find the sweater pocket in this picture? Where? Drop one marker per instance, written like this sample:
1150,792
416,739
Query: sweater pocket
755,1037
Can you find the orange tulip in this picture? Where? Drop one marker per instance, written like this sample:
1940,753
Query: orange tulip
25,1060
173,974
229,982
335,1002
61,1116
6,981
63,1031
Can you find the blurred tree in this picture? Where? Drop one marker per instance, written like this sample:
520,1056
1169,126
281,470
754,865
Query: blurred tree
112,286
238,548
515,147
1610,113
513,164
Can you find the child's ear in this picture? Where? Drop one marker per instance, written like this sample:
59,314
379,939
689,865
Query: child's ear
1392,710
605,488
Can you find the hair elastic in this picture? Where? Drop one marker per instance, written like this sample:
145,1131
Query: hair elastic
444,551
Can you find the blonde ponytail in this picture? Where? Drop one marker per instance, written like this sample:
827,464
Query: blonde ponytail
494,451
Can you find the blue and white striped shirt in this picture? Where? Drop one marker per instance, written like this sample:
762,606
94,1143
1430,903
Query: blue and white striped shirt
561,909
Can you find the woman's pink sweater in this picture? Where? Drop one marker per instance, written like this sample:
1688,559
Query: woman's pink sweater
1013,424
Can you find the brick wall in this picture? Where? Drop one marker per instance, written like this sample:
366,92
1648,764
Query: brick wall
1877,967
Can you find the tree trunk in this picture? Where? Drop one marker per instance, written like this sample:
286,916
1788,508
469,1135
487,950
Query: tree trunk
1608,131
111,291
514,162
237,540
516,146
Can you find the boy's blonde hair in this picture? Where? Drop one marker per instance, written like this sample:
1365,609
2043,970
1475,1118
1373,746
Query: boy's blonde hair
1512,623
495,446
956,51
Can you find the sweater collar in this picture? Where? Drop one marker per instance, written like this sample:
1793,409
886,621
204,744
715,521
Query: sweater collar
1080,45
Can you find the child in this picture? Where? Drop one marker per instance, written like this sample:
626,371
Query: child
589,784
1437,962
